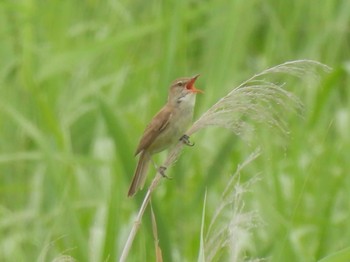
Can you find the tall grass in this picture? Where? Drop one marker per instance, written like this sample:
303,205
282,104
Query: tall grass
80,80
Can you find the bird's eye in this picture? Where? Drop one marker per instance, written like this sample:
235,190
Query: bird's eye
180,83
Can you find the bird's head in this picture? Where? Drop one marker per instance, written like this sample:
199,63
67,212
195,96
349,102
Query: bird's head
183,89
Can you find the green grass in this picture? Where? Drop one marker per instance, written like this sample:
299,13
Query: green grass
79,80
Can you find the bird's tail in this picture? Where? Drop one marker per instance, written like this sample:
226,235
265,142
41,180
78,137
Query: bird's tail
140,173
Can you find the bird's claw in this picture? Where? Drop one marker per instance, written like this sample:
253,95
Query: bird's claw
162,170
186,140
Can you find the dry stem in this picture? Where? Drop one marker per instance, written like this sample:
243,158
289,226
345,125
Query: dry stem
170,159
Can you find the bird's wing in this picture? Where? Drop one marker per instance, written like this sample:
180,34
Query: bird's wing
157,125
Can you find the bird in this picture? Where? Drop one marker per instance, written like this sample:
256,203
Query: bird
166,128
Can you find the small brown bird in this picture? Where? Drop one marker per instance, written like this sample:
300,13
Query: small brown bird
166,127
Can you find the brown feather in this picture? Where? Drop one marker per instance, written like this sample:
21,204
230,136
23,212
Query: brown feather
140,175
159,122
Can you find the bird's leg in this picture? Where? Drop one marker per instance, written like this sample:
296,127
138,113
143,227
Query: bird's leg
161,170
186,140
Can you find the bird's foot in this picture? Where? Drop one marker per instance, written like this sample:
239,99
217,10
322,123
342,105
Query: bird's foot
186,140
162,170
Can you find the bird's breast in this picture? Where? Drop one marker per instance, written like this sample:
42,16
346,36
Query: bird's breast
180,120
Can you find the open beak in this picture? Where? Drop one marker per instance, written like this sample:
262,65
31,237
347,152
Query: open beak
190,85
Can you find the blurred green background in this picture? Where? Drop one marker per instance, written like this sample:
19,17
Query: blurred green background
79,80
